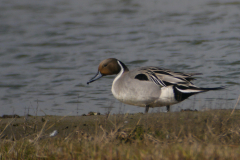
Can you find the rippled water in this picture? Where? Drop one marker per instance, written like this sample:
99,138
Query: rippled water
50,49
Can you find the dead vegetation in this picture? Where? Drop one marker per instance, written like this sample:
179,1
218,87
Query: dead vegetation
213,134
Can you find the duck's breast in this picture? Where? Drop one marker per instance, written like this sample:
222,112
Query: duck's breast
132,91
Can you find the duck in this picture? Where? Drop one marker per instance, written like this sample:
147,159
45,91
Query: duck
148,87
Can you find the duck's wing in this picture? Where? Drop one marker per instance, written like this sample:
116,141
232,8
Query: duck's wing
165,77
180,82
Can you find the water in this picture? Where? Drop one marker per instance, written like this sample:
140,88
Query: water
50,49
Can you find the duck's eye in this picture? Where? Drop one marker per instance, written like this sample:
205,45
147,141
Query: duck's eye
105,65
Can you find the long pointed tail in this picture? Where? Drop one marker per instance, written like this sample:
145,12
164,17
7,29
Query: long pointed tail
196,89
182,92
209,89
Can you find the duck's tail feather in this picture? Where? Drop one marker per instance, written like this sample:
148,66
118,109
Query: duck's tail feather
192,89
182,92
209,89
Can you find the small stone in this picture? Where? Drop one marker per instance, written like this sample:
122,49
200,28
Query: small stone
43,119
54,133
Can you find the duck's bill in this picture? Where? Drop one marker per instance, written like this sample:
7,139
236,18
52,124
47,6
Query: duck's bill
96,77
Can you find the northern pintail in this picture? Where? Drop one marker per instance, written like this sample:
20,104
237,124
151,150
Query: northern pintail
148,86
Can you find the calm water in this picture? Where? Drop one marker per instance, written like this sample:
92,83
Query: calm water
50,49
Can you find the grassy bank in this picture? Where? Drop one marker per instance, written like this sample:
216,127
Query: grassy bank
189,135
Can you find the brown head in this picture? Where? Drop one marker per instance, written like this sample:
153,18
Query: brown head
108,67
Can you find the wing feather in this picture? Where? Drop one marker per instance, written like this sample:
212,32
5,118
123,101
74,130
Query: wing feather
164,77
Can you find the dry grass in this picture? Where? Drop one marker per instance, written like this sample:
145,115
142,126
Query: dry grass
213,134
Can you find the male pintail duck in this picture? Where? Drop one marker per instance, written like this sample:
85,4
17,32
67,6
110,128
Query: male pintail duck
148,86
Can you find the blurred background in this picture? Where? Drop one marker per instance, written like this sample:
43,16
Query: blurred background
49,49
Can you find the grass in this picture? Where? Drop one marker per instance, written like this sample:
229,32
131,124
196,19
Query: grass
213,134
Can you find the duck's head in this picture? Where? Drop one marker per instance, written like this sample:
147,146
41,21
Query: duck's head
108,66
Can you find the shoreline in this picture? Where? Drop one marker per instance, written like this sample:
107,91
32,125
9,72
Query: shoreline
35,123
132,135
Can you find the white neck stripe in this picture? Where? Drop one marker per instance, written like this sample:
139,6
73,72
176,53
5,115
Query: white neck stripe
117,77
120,73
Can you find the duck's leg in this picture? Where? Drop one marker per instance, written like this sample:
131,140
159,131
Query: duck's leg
147,108
168,108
